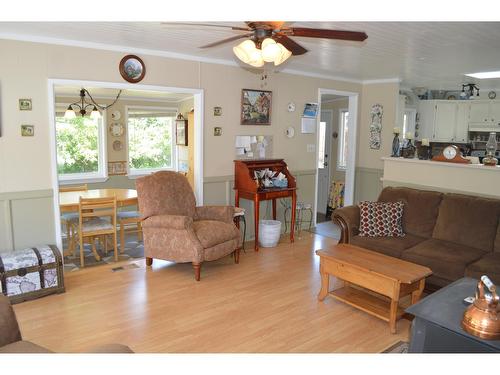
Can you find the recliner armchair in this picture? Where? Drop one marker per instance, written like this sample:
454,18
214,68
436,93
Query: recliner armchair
174,229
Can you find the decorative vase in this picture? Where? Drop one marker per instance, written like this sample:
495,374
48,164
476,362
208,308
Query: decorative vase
423,152
408,152
491,148
395,146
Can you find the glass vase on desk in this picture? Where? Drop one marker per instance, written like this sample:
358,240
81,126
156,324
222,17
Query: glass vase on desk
408,151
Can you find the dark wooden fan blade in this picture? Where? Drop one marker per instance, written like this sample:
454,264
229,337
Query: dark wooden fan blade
236,37
327,34
289,44
266,25
204,25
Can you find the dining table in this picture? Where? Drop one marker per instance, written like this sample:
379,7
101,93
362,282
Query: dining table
69,200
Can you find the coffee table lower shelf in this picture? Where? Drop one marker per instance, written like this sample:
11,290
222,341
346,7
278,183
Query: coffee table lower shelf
365,301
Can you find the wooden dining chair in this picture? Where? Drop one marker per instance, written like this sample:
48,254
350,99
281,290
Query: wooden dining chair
70,219
125,218
97,218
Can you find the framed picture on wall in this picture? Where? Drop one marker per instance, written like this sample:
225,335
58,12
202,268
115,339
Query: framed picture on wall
181,134
256,107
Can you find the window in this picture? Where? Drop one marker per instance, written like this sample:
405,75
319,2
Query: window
343,127
321,148
80,148
408,121
151,135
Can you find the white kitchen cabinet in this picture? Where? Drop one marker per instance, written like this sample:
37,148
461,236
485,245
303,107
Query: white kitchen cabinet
462,125
445,121
426,113
484,116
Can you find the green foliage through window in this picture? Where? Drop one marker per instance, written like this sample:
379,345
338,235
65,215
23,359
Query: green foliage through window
77,145
150,142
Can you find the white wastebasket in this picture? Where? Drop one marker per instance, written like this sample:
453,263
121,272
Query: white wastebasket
269,232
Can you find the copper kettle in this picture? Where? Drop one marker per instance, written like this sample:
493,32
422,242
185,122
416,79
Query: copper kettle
482,318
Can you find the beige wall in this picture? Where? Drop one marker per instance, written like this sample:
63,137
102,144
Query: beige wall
25,67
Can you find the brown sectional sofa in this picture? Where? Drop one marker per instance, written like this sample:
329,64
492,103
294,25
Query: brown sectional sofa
453,234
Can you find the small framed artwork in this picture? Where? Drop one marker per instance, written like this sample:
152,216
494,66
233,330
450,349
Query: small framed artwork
217,131
181,135
217,111
256,107
132,68
25,105
117,168
27,130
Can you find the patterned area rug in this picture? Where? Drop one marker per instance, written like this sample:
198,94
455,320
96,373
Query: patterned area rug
399,347
133,249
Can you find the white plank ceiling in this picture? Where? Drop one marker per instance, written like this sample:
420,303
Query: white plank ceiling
430,54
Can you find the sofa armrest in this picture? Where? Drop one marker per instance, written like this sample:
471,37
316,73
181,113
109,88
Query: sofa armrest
168,221
219,213
9,329
111,348
348,220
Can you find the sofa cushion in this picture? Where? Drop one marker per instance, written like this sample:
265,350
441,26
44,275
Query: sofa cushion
381,219
211,232
496,246
392,246
447,260
420,210
467,220
488,265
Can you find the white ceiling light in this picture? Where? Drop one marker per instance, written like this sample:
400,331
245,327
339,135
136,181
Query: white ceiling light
484,75
270,52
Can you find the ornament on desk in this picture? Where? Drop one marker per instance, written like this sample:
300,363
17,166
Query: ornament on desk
395,143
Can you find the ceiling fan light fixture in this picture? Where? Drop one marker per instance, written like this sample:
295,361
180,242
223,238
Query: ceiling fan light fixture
246,51
270,50
283,55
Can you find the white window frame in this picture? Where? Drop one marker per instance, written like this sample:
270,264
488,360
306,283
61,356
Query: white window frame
102,171
341,145
136,173
410,114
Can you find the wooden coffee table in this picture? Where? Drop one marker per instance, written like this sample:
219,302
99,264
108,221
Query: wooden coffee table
373,272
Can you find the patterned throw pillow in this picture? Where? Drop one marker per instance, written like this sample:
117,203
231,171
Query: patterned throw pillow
381,219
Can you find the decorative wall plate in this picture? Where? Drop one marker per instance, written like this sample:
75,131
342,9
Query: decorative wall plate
290,132
291,107
117,145
116,115
132,68
116,129
492,95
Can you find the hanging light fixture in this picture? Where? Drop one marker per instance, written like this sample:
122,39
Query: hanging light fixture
269,51
84,106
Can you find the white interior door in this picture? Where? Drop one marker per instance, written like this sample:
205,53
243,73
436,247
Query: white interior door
324,149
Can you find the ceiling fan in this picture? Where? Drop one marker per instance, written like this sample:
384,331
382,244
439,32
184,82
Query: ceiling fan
269,41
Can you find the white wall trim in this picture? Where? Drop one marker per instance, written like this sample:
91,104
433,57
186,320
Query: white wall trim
175,55
351,146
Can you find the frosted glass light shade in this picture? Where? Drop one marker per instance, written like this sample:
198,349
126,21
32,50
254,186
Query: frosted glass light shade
248,53
283,55
95,114
70,113
270,50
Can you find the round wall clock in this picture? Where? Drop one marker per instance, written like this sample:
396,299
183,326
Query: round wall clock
116,129
291,107
132,68
116,115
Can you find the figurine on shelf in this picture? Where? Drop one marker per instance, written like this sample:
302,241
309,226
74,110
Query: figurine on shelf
408,150
424,150
395,143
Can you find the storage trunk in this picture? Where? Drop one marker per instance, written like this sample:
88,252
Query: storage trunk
31,273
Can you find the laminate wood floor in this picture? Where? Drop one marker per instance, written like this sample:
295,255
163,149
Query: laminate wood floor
267,303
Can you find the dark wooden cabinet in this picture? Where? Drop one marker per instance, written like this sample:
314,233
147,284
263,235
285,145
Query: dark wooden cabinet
247,187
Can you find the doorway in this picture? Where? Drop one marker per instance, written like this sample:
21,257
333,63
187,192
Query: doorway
135,120
336,150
